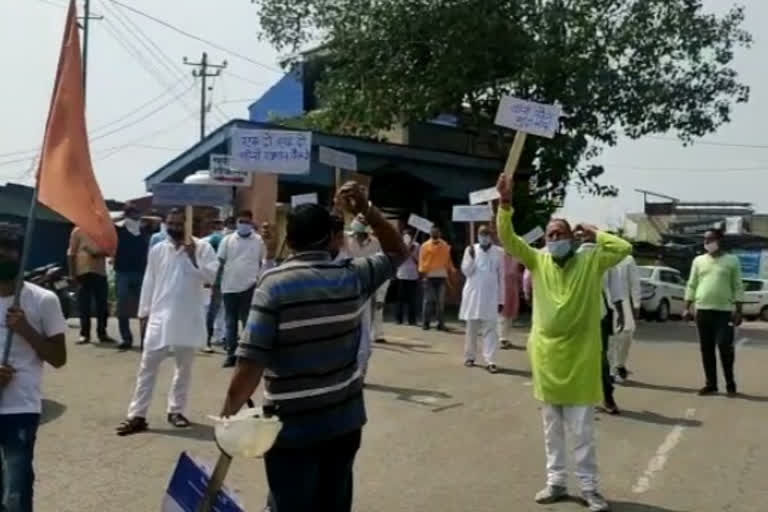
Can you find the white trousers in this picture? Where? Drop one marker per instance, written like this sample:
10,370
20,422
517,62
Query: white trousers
145,380
618,349
580,423
485,329
505,328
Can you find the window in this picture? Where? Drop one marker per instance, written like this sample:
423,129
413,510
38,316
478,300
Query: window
751,285
645,272
668,276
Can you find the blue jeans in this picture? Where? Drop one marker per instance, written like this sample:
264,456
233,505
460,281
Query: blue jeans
128,291
237,306
17,445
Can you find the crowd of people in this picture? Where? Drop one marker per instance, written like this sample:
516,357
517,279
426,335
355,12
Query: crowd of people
328,298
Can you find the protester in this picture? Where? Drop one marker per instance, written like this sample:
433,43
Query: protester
270,243
159,236
483,297
628,277
508,315
88,269
171,305
214,314
564,344
129,263
323,412
612,322
716,290
241,255
39,329
435,268
408,281
359,245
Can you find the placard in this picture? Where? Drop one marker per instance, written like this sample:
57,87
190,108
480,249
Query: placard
221,171
179,194
479,213
187,485
484,196
303,199
271,151
533,235
420,223
528,116
337,159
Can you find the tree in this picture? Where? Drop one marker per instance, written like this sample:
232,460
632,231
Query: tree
617,67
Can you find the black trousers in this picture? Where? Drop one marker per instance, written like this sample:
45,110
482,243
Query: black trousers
407,297
237,307
313,478
93,288
715,330
606,329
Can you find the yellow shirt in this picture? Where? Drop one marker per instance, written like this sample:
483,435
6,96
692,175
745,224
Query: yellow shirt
565,344
435,259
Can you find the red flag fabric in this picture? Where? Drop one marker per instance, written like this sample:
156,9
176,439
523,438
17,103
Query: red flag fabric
65,179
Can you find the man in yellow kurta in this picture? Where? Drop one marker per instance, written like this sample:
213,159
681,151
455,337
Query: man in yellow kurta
565,342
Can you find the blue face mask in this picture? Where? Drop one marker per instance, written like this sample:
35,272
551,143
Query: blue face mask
484,240
358,227
244,229
559,249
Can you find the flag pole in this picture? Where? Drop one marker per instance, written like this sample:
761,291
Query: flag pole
31,216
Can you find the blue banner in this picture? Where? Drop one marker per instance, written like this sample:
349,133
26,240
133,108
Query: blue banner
179,194
750,263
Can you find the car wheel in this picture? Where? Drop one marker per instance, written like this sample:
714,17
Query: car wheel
764,314
662,314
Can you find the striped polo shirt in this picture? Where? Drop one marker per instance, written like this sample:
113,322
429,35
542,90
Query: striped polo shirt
304,327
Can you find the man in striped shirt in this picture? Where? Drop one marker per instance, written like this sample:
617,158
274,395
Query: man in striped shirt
304,332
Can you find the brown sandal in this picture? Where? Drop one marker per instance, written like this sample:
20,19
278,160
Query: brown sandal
132,426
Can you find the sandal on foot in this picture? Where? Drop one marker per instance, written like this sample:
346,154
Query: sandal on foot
132,426
178,420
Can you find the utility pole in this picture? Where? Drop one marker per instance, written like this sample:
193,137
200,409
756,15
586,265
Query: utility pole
201,72
85,26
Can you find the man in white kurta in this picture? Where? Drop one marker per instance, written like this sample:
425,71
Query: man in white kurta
628,291
172,298
361,245
482,297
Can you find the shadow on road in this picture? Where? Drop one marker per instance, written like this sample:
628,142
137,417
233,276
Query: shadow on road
659,419
660,387
412,395
628,506
517,373
198,431
397,346
52,410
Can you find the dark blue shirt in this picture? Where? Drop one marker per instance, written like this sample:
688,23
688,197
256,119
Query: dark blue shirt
132,251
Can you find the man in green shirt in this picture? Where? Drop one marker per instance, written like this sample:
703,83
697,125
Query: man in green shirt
565,342
716,290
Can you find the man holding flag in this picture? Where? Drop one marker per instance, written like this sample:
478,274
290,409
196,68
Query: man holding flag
33,328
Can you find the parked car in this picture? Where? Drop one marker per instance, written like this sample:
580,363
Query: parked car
756,299
662,292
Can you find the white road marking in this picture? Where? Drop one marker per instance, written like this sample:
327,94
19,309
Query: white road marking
528,383
658,461
742,342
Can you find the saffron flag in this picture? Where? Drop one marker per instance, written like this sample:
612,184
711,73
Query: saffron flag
65,179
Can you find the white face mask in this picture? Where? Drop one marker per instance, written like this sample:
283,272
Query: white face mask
133,226
712,247
484,240
407,239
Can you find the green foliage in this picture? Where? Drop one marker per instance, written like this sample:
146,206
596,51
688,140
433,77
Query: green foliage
617,67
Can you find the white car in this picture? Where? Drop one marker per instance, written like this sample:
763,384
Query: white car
662,292
756,299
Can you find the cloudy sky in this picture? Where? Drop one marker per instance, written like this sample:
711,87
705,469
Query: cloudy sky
143,103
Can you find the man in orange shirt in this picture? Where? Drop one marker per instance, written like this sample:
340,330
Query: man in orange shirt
435,267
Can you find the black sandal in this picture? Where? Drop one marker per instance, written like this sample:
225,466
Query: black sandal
178,420
132,426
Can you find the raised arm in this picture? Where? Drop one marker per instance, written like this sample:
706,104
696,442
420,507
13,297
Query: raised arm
510,241
610,250
468,262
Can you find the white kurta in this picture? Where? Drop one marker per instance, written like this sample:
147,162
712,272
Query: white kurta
628,279
484,288
173,295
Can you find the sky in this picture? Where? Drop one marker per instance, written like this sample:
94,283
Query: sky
143,104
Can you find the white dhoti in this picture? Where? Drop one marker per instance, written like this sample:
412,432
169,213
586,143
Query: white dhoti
377,313
579,421
486,329
145,380
505,327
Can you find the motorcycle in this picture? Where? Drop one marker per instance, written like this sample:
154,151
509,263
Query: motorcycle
53,277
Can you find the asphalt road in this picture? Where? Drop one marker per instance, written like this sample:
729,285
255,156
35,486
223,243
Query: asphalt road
440,436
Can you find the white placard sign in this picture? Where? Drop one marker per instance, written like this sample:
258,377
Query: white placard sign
484,196
533,235
528,116
338,159
271,151
304,199
479,213
420,223
222,172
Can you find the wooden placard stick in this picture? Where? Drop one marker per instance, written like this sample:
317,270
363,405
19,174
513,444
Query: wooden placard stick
188,218
472,233
515,153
